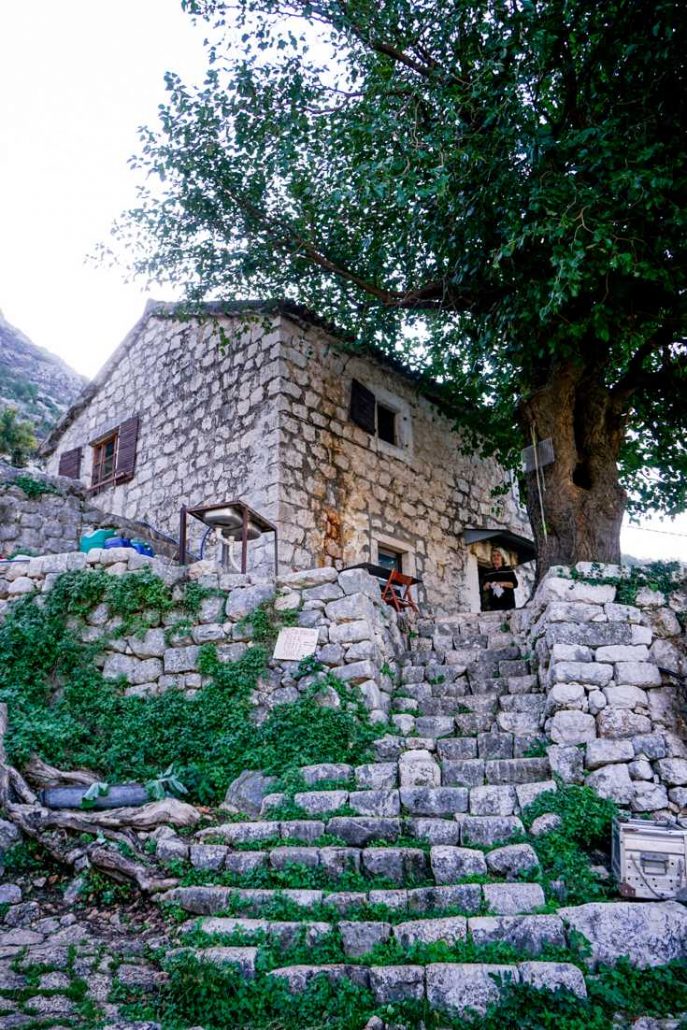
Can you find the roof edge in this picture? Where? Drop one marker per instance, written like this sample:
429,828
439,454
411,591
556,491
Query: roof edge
187,310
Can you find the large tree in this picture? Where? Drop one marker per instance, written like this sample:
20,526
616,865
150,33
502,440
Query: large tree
494,187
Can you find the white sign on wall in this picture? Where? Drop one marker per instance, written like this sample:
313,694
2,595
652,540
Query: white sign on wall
294,644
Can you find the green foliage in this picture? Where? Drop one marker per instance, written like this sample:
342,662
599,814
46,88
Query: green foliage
63,709
497,190
564,853
17,439
215,997
32,487
662,576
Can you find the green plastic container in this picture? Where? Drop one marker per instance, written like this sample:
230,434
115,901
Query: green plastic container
91,540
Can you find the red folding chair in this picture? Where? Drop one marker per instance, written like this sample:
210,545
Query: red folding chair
396,592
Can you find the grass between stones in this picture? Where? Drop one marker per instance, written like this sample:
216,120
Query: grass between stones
199,993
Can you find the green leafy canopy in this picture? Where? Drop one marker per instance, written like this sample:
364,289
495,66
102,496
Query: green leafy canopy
495,189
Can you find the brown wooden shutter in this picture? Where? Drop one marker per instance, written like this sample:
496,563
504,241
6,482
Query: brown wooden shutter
126,448
362,407
70,463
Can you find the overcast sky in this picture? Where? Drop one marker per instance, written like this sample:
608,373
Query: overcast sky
77,78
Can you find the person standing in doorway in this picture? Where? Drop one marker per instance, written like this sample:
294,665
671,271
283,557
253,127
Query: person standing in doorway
498,585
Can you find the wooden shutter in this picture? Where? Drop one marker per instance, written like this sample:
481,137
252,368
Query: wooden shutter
70,463
362,407
126,448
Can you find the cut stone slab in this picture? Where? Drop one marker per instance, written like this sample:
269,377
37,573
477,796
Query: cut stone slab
428,931
618,723
285,932
457,987
512,860
436,831
434,801
451,864
649,934
511,899
244,958
493,800
605,752
419,769
572,727
488,830
359,831
528,934
361,937
390,984
297,978
551,976
544,824
637,674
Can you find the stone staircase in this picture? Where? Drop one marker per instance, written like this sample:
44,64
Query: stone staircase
380,864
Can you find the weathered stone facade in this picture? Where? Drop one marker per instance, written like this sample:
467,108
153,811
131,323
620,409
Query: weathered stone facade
259,410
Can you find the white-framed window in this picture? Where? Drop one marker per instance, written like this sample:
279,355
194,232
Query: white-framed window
384,416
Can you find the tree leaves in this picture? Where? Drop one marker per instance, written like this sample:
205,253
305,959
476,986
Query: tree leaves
492,189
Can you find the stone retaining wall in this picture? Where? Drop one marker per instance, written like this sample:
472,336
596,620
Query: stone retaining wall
359,637
54,521
615,681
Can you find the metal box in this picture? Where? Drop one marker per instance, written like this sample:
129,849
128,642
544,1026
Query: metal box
649,859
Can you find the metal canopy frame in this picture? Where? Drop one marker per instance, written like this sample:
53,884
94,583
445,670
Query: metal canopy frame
247,515
513,541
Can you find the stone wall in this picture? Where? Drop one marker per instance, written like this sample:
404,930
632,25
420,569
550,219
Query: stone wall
345,491
359,639
260,411
53,521
204,391
616,688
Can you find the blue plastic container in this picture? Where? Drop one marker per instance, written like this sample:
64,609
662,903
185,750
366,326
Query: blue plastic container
117,541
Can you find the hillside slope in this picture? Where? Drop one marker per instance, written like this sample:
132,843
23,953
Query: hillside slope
39,384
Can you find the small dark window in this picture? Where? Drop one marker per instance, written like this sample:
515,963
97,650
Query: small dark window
105,460
390,559
386,424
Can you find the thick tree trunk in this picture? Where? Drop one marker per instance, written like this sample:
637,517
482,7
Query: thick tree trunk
578,494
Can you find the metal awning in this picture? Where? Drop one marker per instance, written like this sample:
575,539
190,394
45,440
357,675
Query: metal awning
525,548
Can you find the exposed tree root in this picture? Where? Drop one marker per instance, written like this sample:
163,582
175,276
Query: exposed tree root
52,829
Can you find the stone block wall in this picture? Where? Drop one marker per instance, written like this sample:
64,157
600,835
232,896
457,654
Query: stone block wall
615,678
204,390
54,521
345,491
358,636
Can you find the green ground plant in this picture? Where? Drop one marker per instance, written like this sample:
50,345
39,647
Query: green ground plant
63,709
197,993
566,852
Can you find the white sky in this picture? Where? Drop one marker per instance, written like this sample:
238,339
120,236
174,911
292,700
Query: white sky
77,77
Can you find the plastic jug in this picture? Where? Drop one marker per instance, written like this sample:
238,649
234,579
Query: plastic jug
96,539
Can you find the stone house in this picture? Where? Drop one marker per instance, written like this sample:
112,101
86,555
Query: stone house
339,448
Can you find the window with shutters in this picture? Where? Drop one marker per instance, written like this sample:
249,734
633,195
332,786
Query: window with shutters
114,455
384,416
70,463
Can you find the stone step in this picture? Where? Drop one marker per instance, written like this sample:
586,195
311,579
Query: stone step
506,899
454,988
530,934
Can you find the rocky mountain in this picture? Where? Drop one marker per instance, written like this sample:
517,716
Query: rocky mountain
39,384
